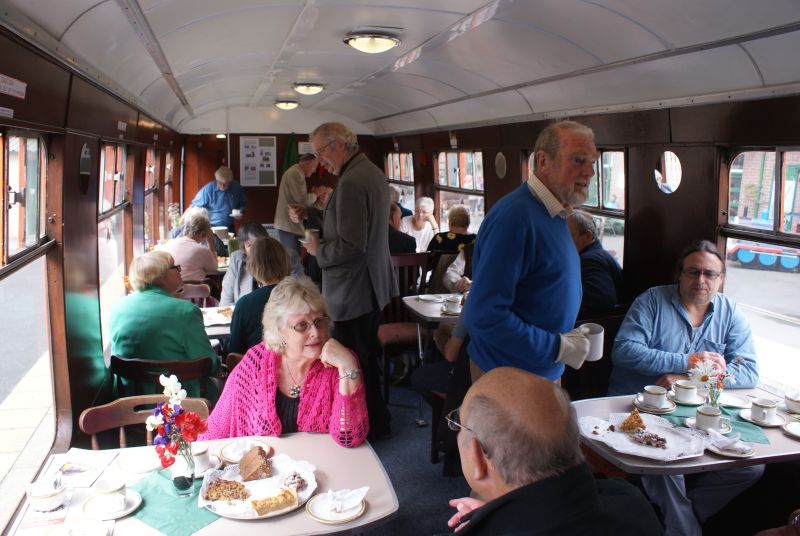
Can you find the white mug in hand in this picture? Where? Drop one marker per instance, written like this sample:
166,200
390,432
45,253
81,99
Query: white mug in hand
593,332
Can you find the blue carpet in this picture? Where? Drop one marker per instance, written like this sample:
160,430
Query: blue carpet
421,489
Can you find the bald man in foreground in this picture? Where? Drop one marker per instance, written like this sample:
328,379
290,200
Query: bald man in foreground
520,452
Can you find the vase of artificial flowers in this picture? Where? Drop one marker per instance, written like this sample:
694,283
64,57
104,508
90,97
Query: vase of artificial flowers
708,373
176,429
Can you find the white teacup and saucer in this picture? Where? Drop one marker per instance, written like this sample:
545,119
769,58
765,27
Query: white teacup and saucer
654,400
710,417
111,500
452,305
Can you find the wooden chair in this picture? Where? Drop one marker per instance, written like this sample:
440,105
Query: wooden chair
147,371
128,411
398,331
231,360
439,263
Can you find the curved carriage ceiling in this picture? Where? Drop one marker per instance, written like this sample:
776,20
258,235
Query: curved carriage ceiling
217,66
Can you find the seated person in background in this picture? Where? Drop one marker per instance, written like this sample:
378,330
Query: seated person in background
399,242
521,455
297,380
394,194
458,277
151,323
457,237
268,262
435,376
220,248
238,281
667,331
601,276
194,251
422,225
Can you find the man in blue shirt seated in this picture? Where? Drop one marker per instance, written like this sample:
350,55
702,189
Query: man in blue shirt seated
222,198
601,276
667,331
521,455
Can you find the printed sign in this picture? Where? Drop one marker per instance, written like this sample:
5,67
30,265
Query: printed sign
257,161
12,86
6,112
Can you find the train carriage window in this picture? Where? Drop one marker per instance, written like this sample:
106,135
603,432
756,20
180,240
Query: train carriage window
752,190
165,205
460,181
23,194
790,204
112,186
151,228
668,172
399,168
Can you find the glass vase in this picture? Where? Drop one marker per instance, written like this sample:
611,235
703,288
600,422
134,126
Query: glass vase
182,471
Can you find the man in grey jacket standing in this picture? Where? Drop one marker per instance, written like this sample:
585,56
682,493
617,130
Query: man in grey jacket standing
358,280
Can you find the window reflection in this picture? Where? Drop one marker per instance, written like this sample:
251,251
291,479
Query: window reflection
111,265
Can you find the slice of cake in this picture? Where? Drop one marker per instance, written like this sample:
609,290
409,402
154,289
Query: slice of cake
633,422
254,465
284,499
226,490
295,481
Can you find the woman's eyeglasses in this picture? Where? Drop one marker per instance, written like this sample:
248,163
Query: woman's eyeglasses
320,322
175,267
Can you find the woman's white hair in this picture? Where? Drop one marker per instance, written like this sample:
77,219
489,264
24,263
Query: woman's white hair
424,202
196,225
292,296
147,270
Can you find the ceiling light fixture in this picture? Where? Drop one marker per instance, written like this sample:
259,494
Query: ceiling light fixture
221,136
371,42
308,88
287,104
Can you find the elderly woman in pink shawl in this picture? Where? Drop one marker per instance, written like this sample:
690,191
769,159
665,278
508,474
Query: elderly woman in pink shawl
297,380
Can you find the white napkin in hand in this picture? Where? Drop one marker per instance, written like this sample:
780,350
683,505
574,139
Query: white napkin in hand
343,499
730,444
574,347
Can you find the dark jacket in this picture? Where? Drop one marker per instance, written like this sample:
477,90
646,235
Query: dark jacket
246,328
400,242
601,278
571,503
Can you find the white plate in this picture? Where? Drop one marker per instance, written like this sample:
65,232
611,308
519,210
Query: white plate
132,501
139,461
213,317
333,518
698,401
638,402
214,464
777,421
793,429
724,426
730,400
228,452
682,443
282,465
729,453
433,298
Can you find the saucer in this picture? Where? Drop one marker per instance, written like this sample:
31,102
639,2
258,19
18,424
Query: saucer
92,508
724,426
435,298
214,464
638,402
792,429
451,313
698,401
730,453
730,400
778,420
332,518
228,456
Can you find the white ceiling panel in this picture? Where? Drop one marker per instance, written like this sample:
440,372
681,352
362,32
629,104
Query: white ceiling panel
490,107
54,17
777,58
406,123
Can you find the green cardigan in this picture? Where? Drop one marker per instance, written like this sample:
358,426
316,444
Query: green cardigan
151,324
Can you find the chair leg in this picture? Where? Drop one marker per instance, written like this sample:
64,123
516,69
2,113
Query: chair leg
386,379
437,406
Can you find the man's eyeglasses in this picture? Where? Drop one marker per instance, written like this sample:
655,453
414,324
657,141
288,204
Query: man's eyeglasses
319,151
454,421
320,322
175,267
694,273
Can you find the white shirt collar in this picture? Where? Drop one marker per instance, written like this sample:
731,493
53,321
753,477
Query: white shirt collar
550,202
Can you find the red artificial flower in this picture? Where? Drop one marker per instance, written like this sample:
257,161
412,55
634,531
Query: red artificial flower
172,447
191,425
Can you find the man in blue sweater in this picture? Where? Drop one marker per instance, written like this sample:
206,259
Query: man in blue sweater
526,288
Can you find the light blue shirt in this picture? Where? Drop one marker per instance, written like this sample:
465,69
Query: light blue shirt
656,338
219,204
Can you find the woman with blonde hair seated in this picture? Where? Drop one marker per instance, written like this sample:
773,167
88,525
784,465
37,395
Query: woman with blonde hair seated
421,225
297,380
457,237
194,250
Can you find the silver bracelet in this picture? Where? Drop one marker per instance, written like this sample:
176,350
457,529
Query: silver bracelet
352,375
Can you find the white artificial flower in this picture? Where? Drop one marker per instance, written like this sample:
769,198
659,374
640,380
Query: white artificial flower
154,422
705,371
176,397
171,384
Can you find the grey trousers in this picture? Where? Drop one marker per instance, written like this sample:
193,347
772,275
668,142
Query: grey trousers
687,501
289,241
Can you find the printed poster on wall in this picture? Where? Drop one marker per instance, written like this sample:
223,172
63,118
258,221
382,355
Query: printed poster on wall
257,159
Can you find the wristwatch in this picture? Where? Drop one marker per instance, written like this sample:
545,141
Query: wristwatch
352,375
794,520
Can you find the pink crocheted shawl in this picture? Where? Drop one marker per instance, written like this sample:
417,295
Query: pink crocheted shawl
247,404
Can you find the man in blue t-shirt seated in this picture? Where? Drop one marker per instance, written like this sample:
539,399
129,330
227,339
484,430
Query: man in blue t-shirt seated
222,198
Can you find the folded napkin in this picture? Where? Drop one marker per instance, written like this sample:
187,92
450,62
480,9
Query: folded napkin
163,510
729,444
343,499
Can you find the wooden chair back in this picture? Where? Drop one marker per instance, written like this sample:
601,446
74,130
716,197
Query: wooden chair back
439,263
128,411
231,360
412,272
147,371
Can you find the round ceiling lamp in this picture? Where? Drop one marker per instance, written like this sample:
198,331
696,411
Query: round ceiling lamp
287,104
307,88
371,43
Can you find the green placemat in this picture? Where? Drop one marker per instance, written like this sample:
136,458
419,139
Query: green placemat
168,513
752,433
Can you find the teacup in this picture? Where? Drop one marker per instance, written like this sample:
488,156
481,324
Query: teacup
792,401
43,497
709,417
236,212
654,396
311,233
201,457
110,494
452,304
685,391
763,410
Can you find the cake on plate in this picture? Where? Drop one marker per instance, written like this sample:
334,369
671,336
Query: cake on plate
633,423
225,490
254,465
285,498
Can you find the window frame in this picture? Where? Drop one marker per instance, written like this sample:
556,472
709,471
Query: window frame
123,171
150,219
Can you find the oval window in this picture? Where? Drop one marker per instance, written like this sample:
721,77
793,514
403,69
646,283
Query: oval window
668,172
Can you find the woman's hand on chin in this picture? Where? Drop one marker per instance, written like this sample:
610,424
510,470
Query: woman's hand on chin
333,354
